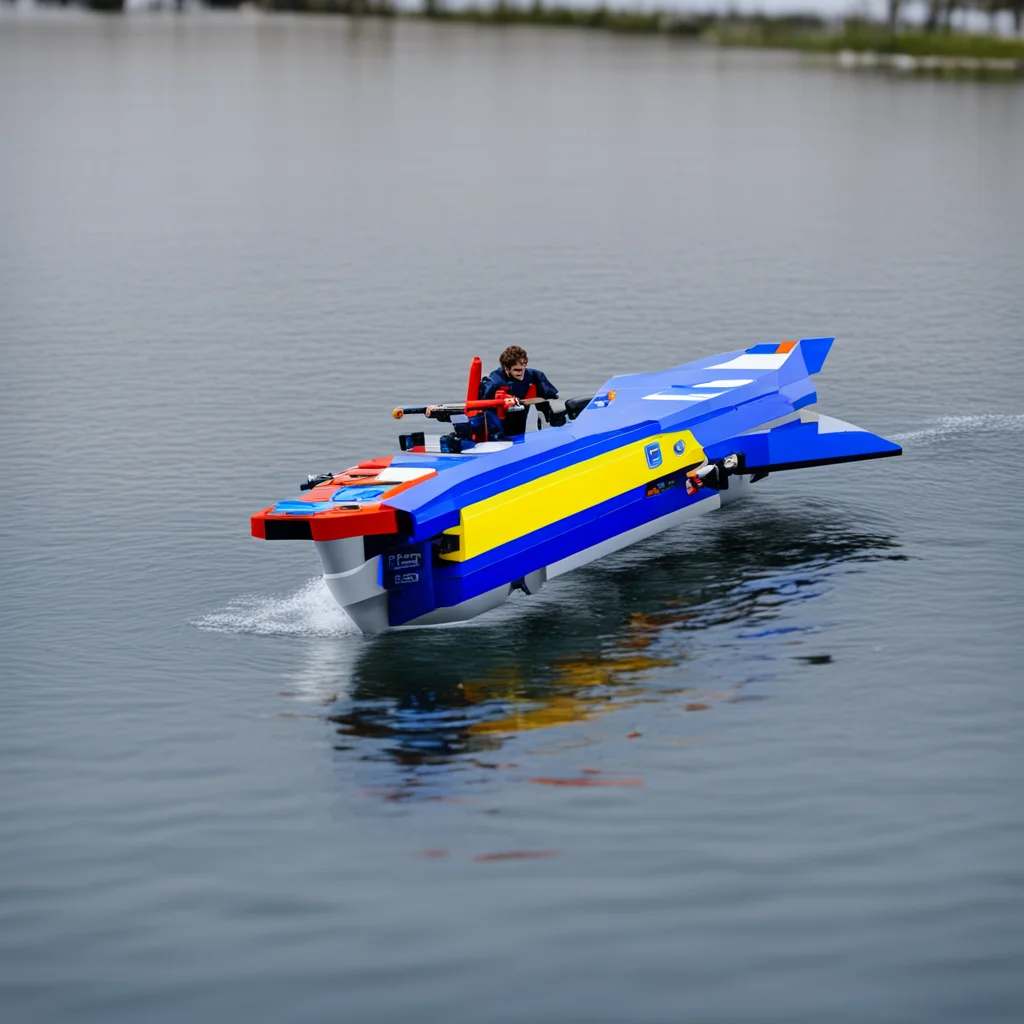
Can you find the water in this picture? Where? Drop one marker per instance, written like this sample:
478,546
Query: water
230,244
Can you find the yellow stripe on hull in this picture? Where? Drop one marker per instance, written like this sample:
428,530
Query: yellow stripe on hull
521,510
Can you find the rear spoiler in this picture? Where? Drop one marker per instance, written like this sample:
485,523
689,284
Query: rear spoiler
808,440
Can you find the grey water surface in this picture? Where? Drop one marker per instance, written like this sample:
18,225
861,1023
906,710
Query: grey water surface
766,768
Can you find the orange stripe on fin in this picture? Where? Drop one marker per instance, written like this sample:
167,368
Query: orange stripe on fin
786,346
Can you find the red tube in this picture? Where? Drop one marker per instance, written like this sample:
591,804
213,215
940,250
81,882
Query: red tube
476,371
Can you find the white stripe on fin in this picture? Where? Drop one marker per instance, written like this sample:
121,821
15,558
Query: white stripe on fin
679,396
830,425
754,361
737,382
401,474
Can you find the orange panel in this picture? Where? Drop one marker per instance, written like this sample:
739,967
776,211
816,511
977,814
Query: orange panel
786,346
369,519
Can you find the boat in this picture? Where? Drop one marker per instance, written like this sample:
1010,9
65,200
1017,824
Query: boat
453,524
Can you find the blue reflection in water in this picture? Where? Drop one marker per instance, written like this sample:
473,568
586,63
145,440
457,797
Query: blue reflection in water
616,636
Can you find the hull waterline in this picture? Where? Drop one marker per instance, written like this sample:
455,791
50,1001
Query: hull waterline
366,602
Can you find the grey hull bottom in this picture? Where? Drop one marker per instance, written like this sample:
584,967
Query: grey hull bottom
355,581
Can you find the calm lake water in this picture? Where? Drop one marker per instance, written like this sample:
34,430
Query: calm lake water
228,246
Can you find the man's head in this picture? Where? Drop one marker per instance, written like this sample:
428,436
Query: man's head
513,361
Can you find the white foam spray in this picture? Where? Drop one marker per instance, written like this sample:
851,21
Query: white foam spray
310,611
954,426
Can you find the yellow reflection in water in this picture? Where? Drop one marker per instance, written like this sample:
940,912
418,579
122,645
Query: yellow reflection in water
619,667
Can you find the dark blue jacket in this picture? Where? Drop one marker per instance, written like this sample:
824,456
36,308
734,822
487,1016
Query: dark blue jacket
514,423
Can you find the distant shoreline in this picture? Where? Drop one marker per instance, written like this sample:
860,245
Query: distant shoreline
854,43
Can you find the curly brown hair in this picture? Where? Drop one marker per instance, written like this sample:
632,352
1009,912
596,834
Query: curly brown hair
512,355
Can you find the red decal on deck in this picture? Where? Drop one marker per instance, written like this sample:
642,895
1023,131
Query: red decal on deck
544,781
348,523
515,855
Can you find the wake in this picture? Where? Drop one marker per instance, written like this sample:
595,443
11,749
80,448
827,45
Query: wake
309,611
956,426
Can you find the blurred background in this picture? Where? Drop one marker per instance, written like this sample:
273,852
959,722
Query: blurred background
763,768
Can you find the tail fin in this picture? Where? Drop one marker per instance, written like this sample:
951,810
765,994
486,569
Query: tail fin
813,351
792,359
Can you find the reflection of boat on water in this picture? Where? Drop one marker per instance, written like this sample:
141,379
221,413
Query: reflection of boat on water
447,530
425,700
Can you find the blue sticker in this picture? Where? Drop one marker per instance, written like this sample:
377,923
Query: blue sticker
357,492
300,508
653,453
679,447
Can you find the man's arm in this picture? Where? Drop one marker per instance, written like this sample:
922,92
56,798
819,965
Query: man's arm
489,385
545,389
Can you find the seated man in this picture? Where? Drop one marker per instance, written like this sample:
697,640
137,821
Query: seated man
516,377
